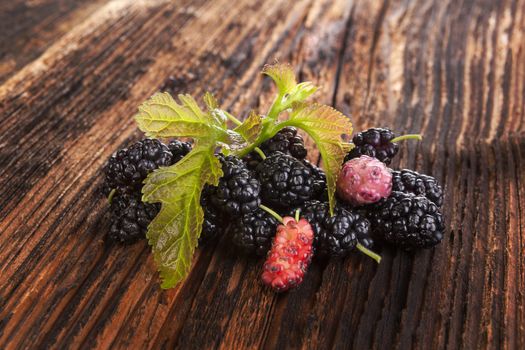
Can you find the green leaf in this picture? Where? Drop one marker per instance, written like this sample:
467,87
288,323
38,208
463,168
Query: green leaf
299,93
283,76
251,127
174,233
289,91
210,101
161,116
219,115
325,125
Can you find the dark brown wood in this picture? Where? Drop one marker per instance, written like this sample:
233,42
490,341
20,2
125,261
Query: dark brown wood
72,74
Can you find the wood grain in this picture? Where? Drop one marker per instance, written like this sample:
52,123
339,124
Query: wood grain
71,76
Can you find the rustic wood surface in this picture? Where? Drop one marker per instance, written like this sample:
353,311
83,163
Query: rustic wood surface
72,74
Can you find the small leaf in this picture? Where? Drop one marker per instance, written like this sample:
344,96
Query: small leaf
299,93
251,127
219,115
325,125
283,76
174,233
210,101
289,91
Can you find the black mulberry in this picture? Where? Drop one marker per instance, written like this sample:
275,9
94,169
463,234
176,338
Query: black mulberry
285,181
408,221
410,181
376,143
319,181
238,190
213,225
130,218
286,141
253,232
178,150
337,235
126,169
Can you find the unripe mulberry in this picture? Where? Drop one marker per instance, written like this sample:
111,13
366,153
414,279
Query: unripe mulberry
290,255
364,180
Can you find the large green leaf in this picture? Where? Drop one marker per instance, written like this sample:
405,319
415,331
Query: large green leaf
174,233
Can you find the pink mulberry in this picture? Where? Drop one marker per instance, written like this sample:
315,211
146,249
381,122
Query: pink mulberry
364,180
290,255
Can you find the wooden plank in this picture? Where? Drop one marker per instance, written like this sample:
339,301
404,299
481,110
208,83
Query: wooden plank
454,72
28,28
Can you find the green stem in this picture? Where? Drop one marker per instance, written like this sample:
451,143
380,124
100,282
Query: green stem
297,213
269,128
368,252
271,212
232,118
407,137
111,195
276,108
260,153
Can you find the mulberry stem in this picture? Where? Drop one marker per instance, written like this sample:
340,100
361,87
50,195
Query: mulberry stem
272,213
368,252
111,195
232,118
260,153
407,137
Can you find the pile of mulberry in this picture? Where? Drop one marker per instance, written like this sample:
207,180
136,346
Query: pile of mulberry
375,205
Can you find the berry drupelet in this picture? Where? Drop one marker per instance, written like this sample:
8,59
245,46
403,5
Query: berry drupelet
286,141
213,224
130,218
126,169
410,181
376,143
406,220
238,191
290,255
178,150
319,181
337,235
253,232
285,181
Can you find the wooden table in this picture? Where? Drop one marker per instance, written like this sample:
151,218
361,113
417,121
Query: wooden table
72,73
